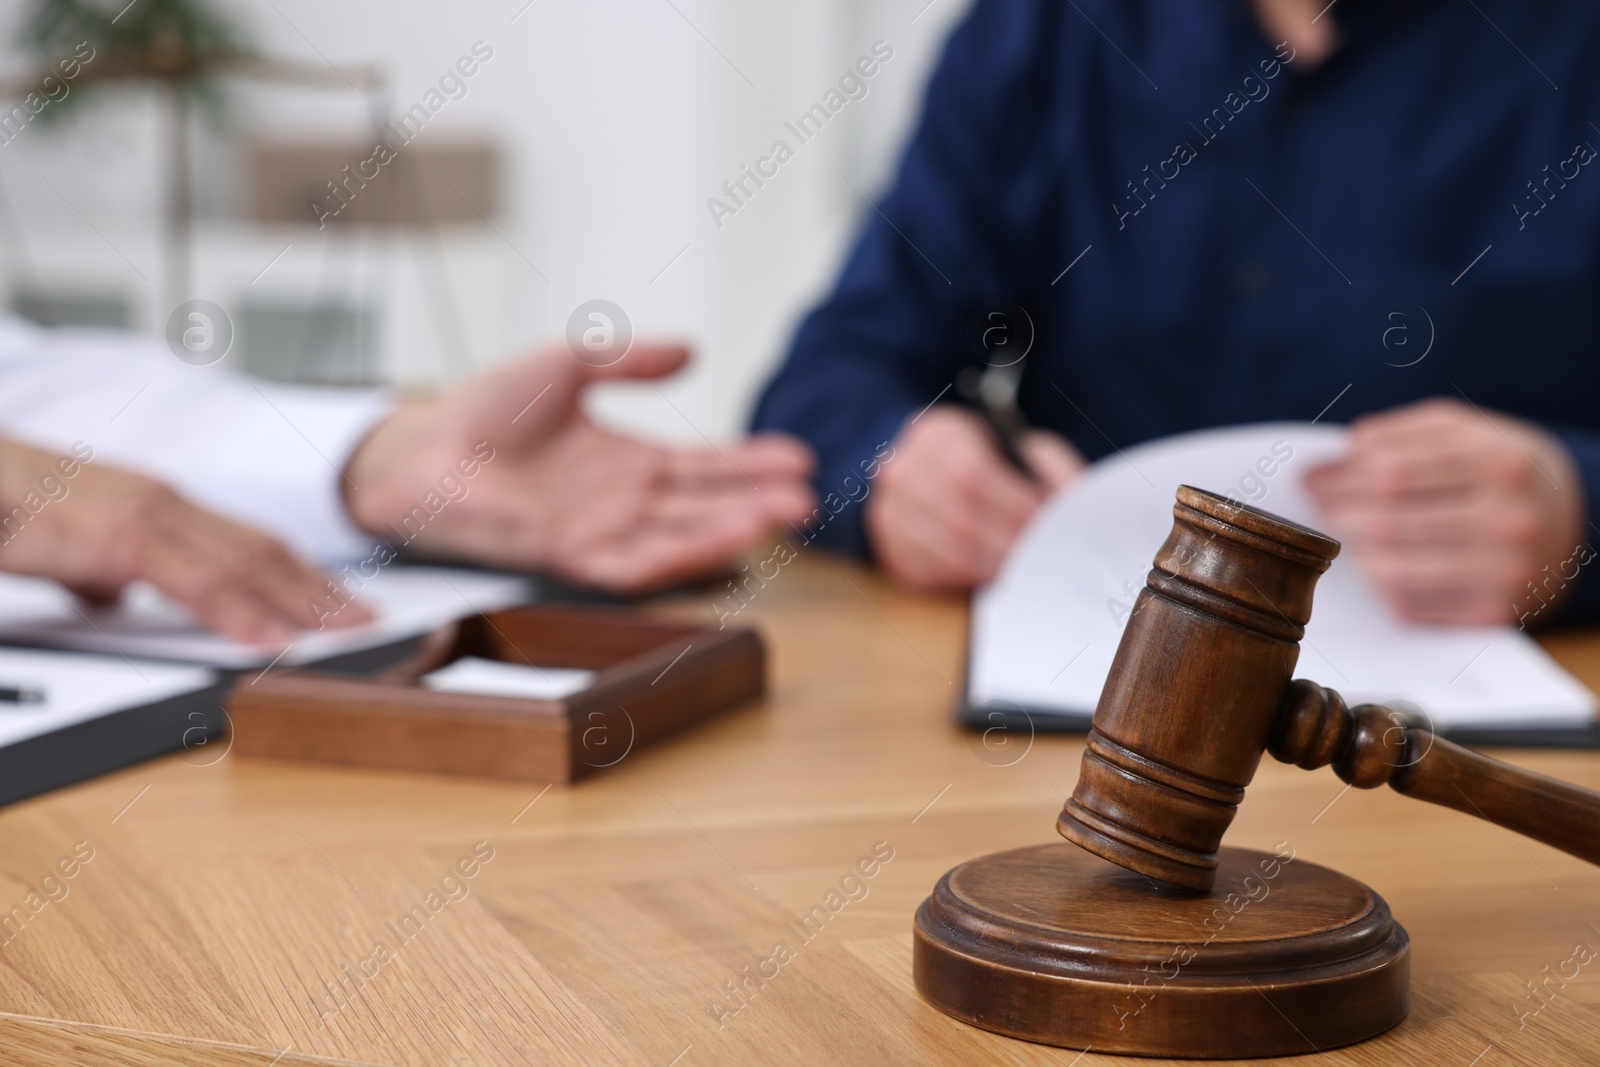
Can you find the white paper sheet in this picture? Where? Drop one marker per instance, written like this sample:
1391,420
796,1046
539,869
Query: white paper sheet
78,688
491,677
406,600
1045,631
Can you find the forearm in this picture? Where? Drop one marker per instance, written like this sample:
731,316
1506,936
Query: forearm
1574,577
267,455
30,479
891,337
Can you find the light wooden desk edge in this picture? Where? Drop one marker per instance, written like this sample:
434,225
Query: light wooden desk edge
239,912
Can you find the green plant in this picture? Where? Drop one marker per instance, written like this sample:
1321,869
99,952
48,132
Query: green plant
181,44
183,48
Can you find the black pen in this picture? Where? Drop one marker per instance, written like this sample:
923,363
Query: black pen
21,694
992,392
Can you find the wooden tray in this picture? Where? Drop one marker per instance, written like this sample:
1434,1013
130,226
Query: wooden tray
653,679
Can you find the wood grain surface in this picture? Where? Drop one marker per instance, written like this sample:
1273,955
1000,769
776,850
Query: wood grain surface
606,922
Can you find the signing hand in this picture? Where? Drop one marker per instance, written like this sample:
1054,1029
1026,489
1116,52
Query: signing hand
94,529
943,515
1451,511
550,490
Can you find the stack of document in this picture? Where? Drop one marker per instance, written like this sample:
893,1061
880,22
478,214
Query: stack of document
1045,631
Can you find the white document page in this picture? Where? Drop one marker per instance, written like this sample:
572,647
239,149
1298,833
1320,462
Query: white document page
1045,631
492,677
78,688
407,601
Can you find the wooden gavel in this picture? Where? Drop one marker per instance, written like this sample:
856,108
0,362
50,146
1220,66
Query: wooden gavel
1200,687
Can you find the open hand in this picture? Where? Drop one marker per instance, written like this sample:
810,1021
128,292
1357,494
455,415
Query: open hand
507,470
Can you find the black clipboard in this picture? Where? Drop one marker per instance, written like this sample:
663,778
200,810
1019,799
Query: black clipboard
1012,719
190,722
110,742
1025,722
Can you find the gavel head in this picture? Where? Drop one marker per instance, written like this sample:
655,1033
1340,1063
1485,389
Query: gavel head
1196,688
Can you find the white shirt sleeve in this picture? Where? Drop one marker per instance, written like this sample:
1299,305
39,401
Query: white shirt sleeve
268,455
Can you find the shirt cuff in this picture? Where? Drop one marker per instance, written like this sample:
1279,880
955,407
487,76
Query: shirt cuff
1582,603
294,483
843,482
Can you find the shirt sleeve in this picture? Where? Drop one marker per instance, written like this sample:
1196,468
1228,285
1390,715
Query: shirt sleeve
950,237
1582,603
271,456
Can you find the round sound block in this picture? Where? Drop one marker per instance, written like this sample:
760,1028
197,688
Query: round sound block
1055,945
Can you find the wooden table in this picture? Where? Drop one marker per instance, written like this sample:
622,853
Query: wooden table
224,895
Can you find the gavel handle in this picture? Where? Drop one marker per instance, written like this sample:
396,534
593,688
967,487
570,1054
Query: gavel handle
1561,815
1369,746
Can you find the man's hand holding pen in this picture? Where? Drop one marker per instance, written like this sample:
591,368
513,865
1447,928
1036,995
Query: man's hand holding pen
943,515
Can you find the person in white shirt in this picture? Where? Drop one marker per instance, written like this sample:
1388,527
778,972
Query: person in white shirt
119,462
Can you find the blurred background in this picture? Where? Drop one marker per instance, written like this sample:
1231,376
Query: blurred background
574,163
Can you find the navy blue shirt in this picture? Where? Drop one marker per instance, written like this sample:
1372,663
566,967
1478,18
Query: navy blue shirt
1241,235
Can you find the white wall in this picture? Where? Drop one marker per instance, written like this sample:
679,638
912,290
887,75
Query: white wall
619,118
